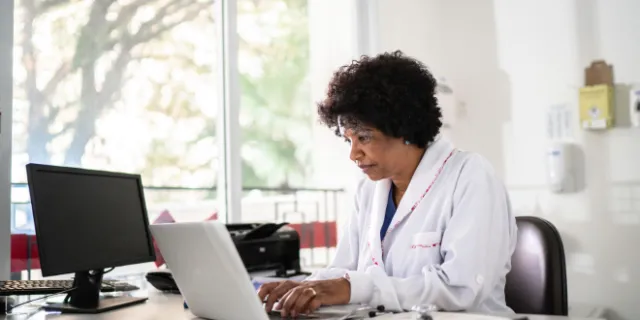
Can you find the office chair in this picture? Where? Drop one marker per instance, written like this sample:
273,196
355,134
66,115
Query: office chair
537,282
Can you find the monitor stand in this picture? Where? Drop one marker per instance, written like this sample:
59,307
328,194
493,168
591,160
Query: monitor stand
86,296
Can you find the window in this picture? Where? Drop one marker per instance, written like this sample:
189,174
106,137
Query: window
127,86
148,86
287,51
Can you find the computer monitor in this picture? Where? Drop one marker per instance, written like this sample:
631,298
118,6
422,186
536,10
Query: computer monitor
87,221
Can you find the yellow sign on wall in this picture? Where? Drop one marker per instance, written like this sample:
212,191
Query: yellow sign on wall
596,106
596,97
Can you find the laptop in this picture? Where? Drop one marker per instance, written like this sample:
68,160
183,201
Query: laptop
209,271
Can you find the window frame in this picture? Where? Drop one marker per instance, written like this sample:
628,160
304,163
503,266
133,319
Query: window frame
229,184
6,106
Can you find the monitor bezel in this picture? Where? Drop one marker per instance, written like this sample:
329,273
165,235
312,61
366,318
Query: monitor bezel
46,264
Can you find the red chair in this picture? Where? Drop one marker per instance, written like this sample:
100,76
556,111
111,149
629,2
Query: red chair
24,253
318,234
213,217
164,217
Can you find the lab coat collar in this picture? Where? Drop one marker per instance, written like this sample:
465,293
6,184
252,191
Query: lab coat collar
437,152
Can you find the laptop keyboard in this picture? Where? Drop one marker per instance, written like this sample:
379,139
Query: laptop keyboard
277,315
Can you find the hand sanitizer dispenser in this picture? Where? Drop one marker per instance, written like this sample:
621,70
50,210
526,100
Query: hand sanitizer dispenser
634,106
561,173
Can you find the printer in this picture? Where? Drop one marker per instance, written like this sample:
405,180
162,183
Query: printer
266,247
273,250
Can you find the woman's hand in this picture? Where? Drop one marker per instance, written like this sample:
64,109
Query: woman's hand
273,291
306,297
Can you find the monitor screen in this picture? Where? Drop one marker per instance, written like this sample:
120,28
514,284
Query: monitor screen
88,220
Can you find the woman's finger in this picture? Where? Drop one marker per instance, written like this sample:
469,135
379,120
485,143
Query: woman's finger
302,303
279,304
265,289
313,305
277,293
289,301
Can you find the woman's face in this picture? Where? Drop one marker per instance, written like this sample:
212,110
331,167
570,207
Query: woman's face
377,155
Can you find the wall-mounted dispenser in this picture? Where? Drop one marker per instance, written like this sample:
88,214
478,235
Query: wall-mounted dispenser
564,163
634,106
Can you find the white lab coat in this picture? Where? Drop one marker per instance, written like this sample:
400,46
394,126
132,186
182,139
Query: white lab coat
453,251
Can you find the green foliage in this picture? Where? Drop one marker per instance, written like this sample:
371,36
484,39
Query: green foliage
275,104
155,61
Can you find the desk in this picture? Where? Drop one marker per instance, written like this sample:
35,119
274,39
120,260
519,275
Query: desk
164,306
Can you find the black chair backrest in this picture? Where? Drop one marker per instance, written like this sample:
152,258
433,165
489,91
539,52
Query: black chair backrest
537,282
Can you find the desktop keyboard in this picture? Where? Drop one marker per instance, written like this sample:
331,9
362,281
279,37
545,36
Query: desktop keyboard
43,287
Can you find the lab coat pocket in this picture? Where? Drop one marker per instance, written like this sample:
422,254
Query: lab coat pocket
426,240
425,249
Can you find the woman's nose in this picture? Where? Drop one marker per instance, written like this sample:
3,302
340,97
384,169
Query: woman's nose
355,153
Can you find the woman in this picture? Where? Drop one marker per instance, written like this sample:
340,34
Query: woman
431,224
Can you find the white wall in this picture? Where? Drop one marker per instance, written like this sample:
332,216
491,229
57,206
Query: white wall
509,61
6,48
437,33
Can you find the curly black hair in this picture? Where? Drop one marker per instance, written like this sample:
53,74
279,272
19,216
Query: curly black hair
390,92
